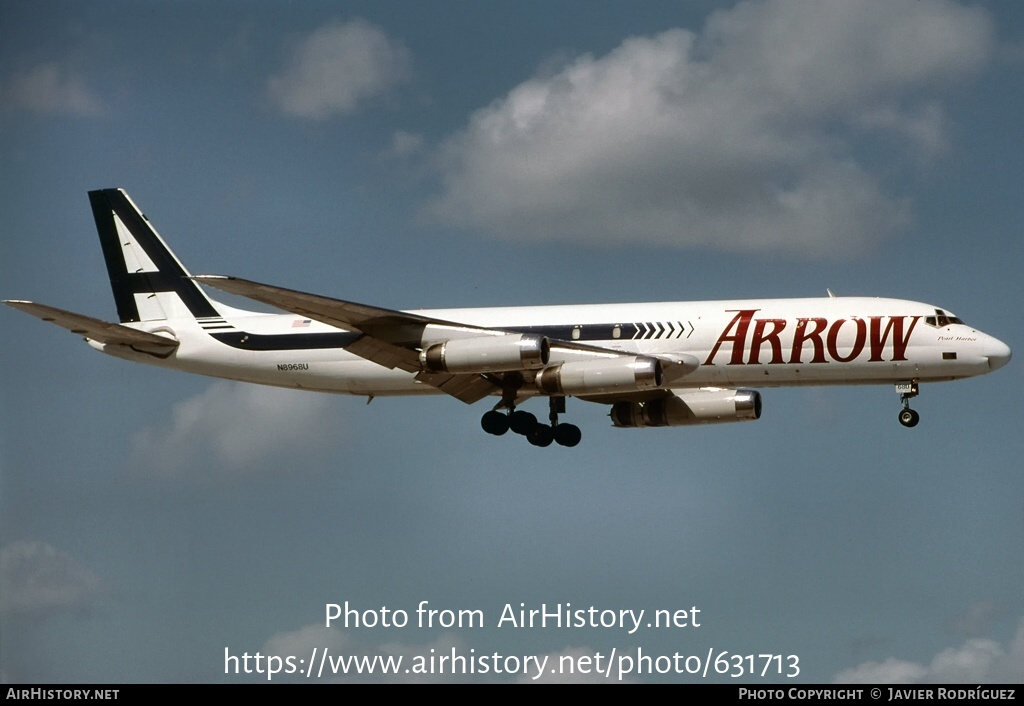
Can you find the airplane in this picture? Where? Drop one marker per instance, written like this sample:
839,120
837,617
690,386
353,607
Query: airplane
661,364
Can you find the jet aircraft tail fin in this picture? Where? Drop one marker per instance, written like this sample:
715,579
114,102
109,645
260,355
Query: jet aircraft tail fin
148,281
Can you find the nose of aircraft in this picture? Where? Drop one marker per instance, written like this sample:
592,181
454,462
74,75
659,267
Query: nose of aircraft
998,354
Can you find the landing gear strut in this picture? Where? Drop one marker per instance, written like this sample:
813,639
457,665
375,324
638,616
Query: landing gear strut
565,434
908,391
543,434
526,424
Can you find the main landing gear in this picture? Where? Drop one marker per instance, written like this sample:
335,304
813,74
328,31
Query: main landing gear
908,391
526,424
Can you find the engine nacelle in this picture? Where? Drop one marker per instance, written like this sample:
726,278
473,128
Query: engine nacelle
487,354
594,377
686,407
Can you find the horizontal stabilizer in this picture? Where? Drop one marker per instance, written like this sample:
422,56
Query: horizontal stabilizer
96,329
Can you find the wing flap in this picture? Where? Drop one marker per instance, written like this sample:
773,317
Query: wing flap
467,387
387,354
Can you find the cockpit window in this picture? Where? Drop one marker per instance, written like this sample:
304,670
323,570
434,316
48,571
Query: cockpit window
942,319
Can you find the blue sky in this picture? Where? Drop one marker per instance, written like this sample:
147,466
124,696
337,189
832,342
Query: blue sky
411,154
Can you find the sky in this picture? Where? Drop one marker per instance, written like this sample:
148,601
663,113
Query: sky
446,154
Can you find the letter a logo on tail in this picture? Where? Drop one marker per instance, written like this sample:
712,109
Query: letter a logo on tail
149,282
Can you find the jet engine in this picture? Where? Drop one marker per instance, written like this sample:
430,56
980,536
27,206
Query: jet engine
594,377
686,407
487,354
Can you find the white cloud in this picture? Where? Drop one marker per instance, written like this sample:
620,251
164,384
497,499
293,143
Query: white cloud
741,138
976,620
51,88
303,640
233,430
37,580
891,671
445,645
979,661
405,144
337,67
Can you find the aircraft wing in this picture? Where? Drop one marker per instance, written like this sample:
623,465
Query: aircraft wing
97,329
390,338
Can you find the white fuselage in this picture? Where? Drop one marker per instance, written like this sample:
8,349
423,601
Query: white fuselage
744,343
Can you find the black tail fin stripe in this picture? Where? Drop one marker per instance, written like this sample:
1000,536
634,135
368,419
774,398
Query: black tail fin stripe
154,269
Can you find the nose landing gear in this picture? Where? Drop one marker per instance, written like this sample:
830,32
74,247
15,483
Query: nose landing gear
908,391
909,418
